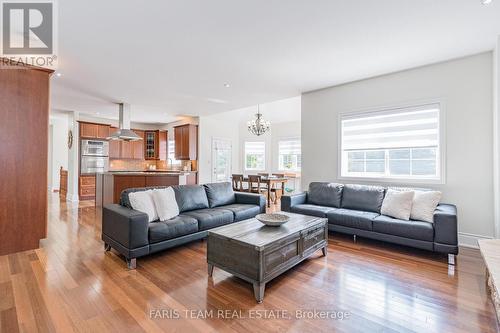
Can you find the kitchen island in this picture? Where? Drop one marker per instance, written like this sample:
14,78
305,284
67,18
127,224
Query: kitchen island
109,185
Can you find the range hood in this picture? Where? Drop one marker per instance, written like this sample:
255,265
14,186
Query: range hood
124,133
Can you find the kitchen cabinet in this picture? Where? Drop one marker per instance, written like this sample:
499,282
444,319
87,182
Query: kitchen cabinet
138,146
119,149
94,131
87,187
155,145
114,145
126,149
186,142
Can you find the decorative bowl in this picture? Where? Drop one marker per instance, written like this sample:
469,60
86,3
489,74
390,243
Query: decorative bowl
273,220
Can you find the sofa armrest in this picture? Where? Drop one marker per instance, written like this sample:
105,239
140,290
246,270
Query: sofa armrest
445,224
252,199
126,226
288,201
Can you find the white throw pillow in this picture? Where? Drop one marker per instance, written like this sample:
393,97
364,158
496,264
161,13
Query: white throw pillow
424,205
397,204
143,202
165,203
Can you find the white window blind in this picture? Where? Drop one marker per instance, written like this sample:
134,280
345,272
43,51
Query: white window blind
289,151
255,154
399,143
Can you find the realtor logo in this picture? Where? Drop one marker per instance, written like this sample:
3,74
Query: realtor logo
28,32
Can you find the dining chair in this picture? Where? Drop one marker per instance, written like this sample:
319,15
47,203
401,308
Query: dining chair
255,184
237,180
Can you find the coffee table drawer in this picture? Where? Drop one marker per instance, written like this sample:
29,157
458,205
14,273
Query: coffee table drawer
313,237
280,255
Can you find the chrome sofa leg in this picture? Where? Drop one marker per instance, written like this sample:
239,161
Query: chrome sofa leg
451,259
107,247
354,238
131,263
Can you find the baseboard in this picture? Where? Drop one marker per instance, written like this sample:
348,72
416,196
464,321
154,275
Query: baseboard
470,240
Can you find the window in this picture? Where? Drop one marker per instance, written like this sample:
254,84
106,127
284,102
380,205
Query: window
289,155
399,144
255,155
171,152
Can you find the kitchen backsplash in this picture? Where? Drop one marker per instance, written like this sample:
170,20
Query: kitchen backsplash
138,165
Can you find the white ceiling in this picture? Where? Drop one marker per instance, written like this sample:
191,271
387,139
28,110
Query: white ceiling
170,58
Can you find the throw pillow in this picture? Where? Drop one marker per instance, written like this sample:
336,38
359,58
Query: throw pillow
397,204
424,205
143,202
165,203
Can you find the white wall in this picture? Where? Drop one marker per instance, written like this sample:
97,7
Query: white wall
465,86
58,150
210,127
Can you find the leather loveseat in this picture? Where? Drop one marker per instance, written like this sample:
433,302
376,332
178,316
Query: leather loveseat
355,210
201,207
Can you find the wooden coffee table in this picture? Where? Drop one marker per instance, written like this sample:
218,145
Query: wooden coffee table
258,253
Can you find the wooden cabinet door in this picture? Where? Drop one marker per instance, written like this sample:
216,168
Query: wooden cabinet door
102,131
162,145
138,146
151,149
114,145
126,149
186,142
88,130
178,137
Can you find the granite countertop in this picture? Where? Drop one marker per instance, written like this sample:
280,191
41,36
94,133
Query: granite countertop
149,173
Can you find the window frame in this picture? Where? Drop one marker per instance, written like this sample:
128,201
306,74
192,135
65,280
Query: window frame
441,154
289,138
245,155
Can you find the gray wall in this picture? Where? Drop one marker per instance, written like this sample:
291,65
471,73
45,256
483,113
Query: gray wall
465,86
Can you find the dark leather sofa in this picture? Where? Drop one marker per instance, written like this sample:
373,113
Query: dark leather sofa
355,210
201,208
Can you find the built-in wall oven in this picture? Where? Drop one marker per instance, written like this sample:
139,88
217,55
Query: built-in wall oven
94,156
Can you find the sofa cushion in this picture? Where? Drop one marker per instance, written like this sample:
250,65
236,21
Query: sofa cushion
173,228
211,217
363,197
352,218
314,210
219,194
410,229
124,199
190,197
325,194
242,211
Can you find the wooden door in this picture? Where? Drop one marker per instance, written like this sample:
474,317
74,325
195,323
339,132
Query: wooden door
114,145
138,146
102,131
88,130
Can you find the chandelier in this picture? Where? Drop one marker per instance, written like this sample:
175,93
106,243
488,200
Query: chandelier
258,126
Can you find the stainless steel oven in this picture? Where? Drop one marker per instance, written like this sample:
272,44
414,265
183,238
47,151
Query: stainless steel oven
93,164
95,148
94,156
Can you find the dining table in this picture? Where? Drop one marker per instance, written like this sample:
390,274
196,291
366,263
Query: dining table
271,182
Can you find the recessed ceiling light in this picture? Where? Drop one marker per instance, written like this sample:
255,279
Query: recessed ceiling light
486,2
227,85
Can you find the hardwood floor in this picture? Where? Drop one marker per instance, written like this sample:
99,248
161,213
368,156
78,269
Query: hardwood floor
71,284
